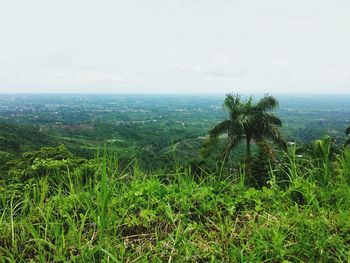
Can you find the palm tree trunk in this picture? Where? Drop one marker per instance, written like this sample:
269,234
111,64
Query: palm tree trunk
248,165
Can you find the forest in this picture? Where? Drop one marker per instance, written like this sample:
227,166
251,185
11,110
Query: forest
169,178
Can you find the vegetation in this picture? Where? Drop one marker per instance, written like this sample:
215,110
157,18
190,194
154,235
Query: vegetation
113,215
16,139
347,132
157,199
249,121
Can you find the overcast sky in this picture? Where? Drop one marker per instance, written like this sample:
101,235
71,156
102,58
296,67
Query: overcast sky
163,46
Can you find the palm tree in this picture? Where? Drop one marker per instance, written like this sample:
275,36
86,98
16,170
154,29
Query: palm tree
347,132
250,121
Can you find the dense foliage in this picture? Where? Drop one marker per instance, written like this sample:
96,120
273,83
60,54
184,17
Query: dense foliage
152,193
106,214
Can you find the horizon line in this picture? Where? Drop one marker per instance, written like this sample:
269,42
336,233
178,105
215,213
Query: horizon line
172,93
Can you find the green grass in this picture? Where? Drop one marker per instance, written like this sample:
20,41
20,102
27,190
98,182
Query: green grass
301,215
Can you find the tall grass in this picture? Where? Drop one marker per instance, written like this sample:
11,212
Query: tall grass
132,216
343,162
104,197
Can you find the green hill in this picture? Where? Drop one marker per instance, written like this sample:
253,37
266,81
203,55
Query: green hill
16,139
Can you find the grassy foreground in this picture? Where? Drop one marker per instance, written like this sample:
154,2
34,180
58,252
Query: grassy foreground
301,215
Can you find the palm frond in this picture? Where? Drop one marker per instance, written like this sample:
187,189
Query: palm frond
267,103
347,142
347,131
221,128
270,118
232,103
249,102
236,128
274,134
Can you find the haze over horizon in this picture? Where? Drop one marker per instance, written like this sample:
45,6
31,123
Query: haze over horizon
180,46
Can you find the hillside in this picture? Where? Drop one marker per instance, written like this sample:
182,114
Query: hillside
16,139
146,183
76,210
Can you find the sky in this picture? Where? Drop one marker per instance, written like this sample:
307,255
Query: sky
174,46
